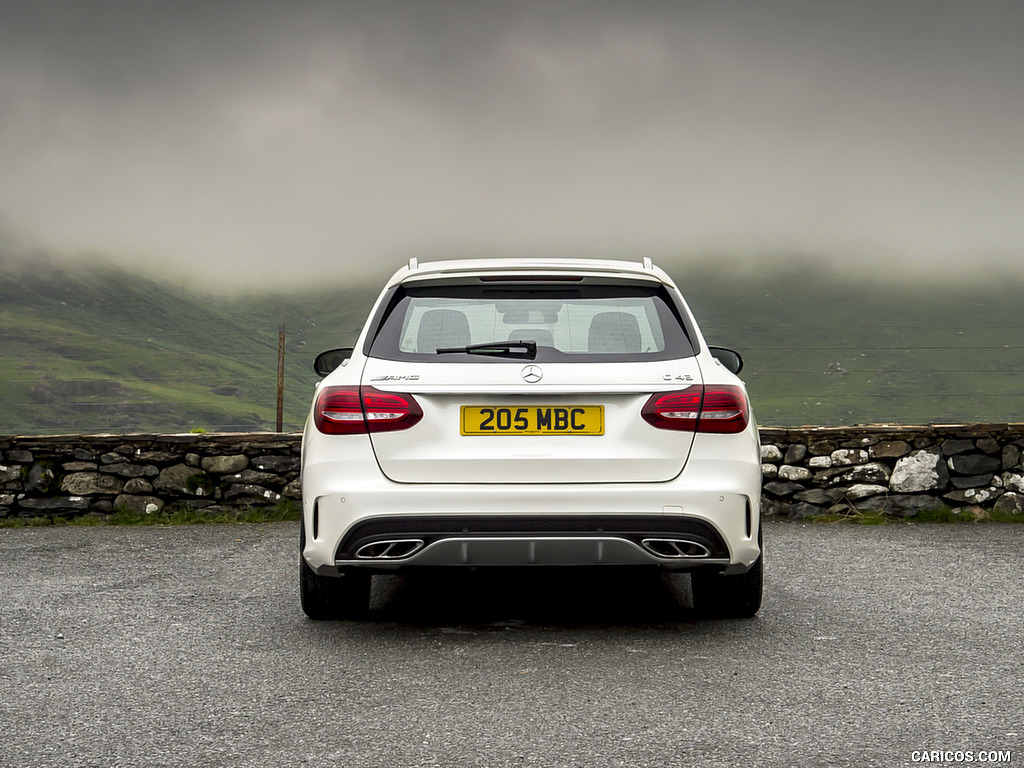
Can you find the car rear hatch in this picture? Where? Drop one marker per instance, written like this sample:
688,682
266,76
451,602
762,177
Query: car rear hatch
529,377
497,422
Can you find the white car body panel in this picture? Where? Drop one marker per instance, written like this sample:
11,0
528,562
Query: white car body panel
432,472
436,452
717,492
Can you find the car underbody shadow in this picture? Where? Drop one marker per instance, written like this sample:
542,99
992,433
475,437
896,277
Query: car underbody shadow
542,596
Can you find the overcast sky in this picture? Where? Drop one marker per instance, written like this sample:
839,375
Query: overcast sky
278,141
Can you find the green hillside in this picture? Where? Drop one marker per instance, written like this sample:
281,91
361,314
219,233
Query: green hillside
827,346
86,347
100,349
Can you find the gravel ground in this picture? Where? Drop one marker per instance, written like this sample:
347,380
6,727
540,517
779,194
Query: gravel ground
185,646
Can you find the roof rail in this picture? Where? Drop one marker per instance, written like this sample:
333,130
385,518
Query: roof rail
414,263
648,264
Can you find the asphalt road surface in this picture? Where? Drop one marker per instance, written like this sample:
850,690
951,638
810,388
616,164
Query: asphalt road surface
185,646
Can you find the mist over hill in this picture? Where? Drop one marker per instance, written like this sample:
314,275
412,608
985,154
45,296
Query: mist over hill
250,165
95,347
92,346
257,141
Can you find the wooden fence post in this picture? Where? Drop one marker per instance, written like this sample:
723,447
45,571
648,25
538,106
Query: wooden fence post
280,379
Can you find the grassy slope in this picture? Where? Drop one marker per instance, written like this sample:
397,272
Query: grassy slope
101,349
88,349
824,348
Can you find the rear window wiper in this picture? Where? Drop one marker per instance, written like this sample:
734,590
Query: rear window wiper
524,349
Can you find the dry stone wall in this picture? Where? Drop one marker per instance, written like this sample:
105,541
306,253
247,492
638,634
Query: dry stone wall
899,471
75,475
807,471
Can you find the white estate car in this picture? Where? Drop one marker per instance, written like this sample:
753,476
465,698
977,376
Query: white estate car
526,412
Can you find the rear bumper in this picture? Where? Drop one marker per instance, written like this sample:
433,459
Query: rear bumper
531,524
531,551
393,542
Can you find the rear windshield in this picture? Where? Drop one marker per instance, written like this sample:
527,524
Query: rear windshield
585,323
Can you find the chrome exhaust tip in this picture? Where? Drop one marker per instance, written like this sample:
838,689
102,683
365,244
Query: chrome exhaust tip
677,549
395,549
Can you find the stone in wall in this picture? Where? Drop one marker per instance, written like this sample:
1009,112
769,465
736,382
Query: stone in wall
246,491
972,481
1009,504
859,442
845,457
1013,481
90,484
139,505
1011,456
40,477
795,453
60,504
138,485
864,491
820,496
920,472
780,488
974,464
889,449
873,472
952,447
276,464
155,457
183,479
125,469
224,465
794,474
801,509
988,445
973,495
251,477
822,447
80,466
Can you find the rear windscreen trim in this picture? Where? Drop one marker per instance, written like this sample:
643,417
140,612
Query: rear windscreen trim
383,339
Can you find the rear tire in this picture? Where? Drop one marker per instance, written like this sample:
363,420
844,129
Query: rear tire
332,597
729,597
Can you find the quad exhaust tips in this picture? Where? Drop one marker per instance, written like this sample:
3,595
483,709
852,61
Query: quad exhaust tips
676,549
666,549
396,549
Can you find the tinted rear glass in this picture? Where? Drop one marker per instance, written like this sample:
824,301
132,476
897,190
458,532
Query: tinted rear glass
585,322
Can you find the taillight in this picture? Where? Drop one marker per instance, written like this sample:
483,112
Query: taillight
721,409
357,410
725,410
338,411
674,410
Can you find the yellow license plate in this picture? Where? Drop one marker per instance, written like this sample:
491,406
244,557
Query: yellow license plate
533,420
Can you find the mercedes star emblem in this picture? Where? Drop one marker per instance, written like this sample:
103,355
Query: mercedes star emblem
532,374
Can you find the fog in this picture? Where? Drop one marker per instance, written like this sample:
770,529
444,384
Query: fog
258,143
